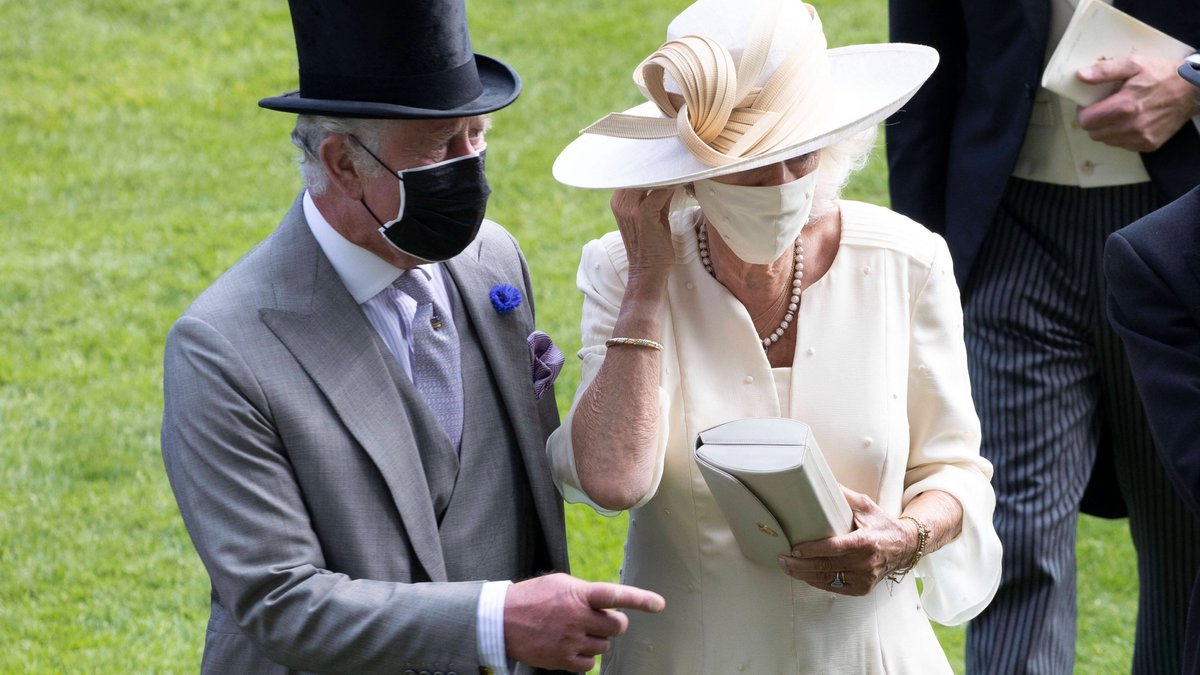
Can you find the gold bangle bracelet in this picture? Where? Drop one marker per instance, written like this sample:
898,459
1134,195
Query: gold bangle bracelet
634,342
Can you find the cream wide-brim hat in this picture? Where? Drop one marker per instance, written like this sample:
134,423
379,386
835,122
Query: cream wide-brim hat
866,84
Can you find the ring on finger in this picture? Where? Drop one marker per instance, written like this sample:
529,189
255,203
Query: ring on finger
839,580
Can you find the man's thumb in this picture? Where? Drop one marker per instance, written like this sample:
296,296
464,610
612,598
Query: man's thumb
1109,70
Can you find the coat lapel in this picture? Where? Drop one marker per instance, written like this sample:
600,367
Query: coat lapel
319,322
503,342
1038,12
1193,262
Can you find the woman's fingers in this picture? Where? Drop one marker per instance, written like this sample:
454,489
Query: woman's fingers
642,220
861,504
864,556
637,206
855,499
834,575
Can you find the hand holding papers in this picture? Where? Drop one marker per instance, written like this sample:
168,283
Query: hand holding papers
1099,32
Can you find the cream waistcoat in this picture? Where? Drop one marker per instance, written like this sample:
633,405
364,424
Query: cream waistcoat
1056,150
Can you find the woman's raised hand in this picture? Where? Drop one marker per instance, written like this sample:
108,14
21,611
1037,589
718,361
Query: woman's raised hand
642,218
877,546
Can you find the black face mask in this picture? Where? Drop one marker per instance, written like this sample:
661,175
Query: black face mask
441,207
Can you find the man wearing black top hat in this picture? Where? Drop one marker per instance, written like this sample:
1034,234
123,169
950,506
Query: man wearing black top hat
1153,272
356,412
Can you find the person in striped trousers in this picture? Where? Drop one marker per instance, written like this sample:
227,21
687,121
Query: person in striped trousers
1026,188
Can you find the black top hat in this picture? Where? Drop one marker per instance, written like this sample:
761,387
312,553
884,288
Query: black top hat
1190,70
391,59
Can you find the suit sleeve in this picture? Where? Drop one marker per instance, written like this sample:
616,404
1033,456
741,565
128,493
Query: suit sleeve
247,517
1162,339
919,135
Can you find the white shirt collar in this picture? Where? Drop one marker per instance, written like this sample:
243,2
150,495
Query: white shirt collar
363,273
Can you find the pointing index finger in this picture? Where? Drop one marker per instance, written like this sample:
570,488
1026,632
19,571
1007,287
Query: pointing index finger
601,595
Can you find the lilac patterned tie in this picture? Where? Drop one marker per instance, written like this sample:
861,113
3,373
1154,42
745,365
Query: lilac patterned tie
436,365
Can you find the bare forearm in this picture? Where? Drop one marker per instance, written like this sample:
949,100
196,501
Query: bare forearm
614,430
940,512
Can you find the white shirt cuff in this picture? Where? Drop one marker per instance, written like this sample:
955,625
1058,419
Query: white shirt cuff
489,626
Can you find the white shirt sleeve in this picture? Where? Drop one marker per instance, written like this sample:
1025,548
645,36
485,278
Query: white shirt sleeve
489,626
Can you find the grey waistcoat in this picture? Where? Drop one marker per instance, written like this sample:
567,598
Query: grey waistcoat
481,496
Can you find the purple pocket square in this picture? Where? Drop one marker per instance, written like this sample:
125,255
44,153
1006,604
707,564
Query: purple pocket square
546,360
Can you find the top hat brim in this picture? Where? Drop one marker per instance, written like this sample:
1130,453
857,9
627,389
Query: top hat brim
870,83
501,86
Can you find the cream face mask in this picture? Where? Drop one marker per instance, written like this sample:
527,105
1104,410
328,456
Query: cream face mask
758,223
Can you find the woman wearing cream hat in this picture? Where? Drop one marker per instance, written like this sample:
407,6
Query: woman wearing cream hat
740,286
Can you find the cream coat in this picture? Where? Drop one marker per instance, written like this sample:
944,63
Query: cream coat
880,374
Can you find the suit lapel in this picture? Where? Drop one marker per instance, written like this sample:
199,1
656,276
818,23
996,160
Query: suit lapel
1192,258
1037,13
503,343
1192,291
327,333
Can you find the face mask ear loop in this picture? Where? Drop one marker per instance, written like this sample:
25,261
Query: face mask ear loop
398,174
383,228
373,155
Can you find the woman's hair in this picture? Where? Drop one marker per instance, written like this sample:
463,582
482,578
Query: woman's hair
837,162
312,130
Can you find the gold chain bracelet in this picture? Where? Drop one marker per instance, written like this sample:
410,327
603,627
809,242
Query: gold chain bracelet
922,540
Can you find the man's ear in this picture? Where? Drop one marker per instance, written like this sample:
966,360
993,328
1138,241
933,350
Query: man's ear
344,176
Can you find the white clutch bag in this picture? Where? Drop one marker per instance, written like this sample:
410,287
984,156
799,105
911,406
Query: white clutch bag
771,482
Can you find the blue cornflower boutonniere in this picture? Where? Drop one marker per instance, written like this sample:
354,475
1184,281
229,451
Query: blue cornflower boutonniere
505,298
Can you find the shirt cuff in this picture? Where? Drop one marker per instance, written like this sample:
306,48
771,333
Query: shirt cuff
489,627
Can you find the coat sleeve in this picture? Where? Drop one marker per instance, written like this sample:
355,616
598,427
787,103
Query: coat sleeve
1162,339
918,136
961,578
246,515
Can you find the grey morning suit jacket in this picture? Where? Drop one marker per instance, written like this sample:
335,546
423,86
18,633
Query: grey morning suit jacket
296,459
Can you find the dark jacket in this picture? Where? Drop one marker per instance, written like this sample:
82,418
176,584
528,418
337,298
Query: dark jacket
952,148
1153,272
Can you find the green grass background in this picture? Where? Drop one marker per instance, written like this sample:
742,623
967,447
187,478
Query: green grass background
135,167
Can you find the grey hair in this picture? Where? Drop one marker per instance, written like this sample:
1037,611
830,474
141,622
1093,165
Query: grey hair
312,130
837,162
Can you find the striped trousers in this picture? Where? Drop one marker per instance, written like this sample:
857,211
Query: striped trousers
1052,387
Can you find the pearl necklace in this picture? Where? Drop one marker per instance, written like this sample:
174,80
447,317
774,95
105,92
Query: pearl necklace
797,279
